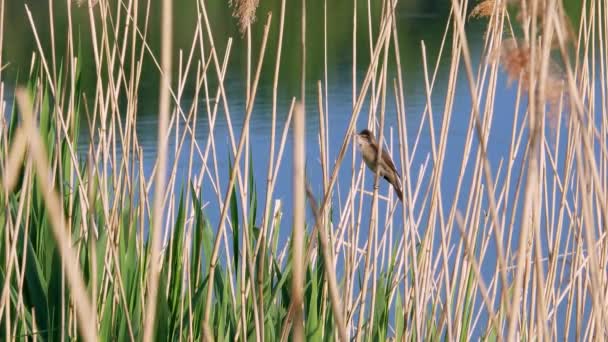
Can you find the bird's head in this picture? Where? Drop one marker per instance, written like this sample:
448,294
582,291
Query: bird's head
365,137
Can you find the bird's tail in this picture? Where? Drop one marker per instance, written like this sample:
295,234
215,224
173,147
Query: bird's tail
398,190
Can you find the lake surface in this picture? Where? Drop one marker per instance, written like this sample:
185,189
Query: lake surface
416,22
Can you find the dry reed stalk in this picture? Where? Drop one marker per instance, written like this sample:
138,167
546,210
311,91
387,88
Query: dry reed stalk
299,213
189,238
21,275
283,140
2,66
350,257
323,152
544,83
81,301
373,101
179,143
14,161
261,253
303,61
330,272
325,117
246,259
405,172
530,213
12,229
92,245
350,254
164,108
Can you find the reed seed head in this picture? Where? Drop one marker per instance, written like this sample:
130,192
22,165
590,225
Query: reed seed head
515,58
244,10
482,9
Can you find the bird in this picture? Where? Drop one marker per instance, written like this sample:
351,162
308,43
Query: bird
369,151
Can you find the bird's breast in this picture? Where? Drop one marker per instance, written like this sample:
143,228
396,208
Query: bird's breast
369,157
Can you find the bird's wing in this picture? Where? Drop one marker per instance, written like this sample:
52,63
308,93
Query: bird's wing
375,148
387,158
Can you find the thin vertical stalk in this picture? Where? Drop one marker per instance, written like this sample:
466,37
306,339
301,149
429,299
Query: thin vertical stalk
303,65
299,267
269,177
349,259
164,108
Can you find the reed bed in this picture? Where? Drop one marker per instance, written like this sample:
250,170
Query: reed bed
94,249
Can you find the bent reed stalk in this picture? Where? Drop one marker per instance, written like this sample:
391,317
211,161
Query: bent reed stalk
516,250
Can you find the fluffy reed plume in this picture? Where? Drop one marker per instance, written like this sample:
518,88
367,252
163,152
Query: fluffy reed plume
525,12
482,9
244,10
515,58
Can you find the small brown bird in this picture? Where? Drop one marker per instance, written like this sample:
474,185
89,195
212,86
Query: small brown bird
369,150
